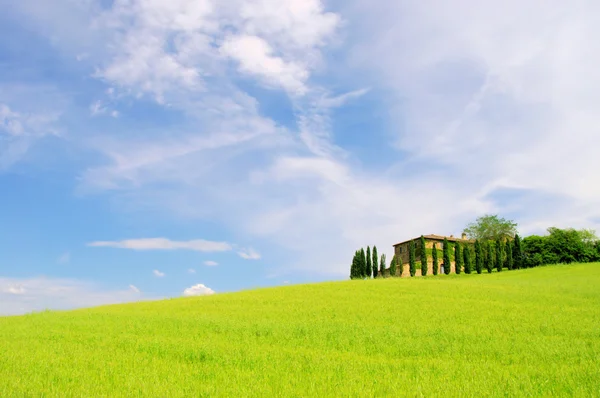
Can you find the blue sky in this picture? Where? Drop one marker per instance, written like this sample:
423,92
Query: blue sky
155,148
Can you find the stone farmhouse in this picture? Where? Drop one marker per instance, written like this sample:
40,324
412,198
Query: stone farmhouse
401,252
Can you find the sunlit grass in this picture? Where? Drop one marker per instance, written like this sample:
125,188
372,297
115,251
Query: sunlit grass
532,332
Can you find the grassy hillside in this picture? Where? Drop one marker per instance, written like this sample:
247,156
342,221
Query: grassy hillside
532,332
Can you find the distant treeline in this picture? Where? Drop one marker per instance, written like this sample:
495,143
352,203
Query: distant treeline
560,246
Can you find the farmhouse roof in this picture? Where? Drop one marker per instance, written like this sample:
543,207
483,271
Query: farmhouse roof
438,238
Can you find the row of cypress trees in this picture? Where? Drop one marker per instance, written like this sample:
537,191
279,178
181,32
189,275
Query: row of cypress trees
487,255
366,264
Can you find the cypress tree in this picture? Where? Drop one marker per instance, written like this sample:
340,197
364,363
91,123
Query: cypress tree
478,257
446,251
518,253
353,266
369,263
363,263
375,260
400,266
423,257
467,259
434,259
509,255
412,260
489,257
382,266
393,267
458,257
499,255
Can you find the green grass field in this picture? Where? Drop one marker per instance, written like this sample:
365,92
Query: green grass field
532,332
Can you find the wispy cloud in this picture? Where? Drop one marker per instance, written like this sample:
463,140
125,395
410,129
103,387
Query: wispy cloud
200,245
19,130
158,274
249,254
134,289
210,263
98,108
65,258
191,271
20,296
198,290
14,289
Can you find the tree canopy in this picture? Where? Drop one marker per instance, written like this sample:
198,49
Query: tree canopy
491,227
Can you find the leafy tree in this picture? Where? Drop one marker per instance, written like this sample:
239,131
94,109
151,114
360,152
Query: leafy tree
491,227
423,257
382,266
434,259
509,255
353,266
489,257
467,259
571,245
518,252
446,253
479,260
369,263
393,267
375,260
499,255
458,257
412,261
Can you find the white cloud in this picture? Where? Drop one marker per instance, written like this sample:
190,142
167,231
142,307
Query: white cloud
200,245
14,289
191,271
134,289
340,100
249,254
211,263
158,274
198,290
10,122
96,108
20,130
65,258
20,296
255,57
